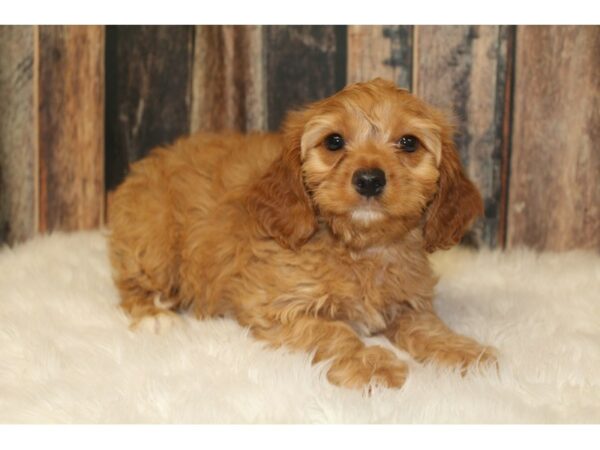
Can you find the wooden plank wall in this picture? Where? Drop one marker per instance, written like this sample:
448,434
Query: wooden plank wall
228,80
71,127
381,51
555,165
302,64
18,150
525,101
148,85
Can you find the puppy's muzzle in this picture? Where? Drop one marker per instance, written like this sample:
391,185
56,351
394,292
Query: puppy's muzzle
369,182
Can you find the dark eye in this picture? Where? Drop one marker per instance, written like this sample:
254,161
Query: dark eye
408,143
334,142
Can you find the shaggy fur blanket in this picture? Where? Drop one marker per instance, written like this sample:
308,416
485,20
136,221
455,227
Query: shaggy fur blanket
67,354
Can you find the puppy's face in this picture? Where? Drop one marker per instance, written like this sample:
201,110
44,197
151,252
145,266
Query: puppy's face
372,162
370,158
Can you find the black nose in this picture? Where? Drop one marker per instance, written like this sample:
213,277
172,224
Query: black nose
369,182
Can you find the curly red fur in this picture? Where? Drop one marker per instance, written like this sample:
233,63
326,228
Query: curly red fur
279,203
455,205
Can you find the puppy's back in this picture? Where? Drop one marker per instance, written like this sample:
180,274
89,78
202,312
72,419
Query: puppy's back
169,191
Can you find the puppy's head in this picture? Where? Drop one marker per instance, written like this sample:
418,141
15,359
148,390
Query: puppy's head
372,162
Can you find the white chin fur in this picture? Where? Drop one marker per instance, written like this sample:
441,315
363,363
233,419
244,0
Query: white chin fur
366,215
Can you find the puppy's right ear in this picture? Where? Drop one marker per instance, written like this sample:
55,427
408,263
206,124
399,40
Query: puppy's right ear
278,201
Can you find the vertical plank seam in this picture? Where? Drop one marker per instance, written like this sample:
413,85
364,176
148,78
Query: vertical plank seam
190,90
341,56
412,61
109,97
262,80
267,30
264,75
102,80
507,135
191,78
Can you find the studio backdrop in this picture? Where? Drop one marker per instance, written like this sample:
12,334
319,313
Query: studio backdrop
78,104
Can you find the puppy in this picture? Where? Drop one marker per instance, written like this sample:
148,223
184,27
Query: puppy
310,237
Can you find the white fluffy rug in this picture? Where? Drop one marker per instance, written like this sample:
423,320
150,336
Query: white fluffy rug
67,355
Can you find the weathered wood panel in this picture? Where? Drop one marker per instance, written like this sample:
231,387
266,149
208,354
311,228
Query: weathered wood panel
555,163
148,83
18,152
227,87
462,69
71,126
380,51
303,64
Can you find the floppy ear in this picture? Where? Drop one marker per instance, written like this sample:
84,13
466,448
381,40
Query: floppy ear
278,201
455,205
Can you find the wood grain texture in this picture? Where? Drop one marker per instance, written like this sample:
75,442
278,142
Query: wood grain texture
18,151
71,126
462,69
227,88
555,167
303,64
380,51
149,72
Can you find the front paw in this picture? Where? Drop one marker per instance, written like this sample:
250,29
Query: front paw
369,365
466,356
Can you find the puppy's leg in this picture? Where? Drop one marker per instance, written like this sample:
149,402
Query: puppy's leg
354,365
146,289
146,282
147,310
142,244
426,338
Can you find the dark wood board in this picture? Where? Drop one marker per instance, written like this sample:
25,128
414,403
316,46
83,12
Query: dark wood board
71,127
554,188
464,70
148,85
303,63
18,152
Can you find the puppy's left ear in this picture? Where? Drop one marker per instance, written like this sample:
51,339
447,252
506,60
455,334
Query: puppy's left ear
278,201
455,205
